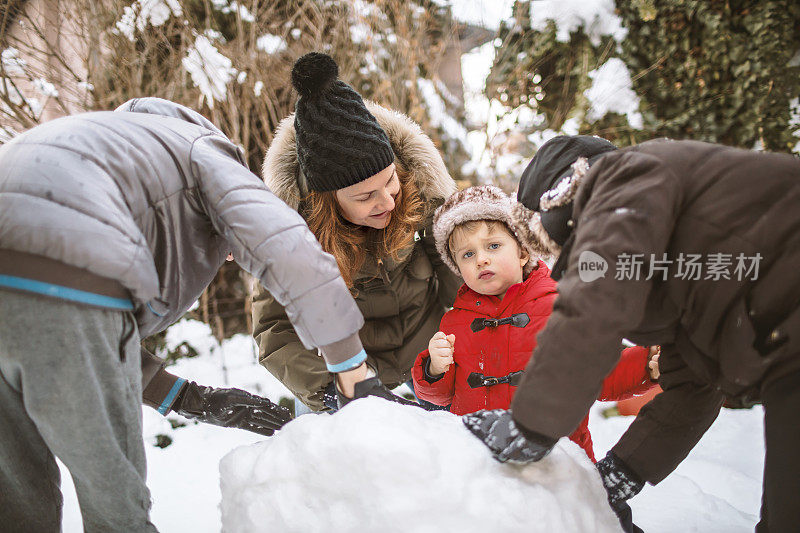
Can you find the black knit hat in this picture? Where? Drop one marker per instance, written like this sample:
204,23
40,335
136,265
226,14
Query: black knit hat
339,143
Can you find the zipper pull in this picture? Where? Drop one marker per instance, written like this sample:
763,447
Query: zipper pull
384,274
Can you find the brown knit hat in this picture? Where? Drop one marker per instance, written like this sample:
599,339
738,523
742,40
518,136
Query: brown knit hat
483,202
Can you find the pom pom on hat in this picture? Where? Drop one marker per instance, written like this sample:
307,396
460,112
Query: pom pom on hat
314,73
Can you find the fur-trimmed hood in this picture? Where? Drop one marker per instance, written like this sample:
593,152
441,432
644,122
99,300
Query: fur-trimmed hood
412,148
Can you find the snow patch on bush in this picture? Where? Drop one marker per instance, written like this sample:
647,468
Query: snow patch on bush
13,64
794,120
612,91
210,70
597,18
155,12
223,6
45,88
380,466
360,33
271,44
437,112
485,14
6,134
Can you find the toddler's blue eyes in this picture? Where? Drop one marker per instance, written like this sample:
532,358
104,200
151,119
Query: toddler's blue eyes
492,246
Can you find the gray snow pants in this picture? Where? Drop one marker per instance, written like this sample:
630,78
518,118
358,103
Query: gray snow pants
70,386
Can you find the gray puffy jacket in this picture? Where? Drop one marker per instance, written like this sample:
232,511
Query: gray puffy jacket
154,196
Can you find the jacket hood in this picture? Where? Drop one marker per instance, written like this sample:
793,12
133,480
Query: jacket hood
553,161
166,108
412,148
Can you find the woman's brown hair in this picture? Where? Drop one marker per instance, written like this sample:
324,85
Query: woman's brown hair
350,243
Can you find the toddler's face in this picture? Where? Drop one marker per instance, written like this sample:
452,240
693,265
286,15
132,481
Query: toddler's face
489,259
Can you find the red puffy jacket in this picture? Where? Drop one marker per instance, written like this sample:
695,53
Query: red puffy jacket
497,350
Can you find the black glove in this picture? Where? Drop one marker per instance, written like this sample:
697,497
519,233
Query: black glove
497,431
232,408
621,482
330,397
372,387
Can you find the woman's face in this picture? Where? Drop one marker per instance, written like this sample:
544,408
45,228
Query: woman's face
370,202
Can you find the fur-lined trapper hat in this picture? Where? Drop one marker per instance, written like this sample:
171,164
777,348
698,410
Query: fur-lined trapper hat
484,202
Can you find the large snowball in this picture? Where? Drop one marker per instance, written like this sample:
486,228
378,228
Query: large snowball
380,466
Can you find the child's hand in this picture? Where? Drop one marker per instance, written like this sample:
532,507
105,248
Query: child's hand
652,362
440,349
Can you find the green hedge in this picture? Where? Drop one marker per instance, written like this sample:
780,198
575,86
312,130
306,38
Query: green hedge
711,70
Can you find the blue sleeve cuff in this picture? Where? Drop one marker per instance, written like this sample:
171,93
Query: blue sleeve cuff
350,364
173,392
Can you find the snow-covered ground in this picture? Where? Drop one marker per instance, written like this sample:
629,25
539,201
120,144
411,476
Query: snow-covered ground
716,489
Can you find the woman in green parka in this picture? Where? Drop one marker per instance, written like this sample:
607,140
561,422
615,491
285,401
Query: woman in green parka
366,180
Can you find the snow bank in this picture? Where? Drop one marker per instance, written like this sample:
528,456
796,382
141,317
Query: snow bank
716,489
379,466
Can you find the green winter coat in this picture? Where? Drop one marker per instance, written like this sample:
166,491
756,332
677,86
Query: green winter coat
402,301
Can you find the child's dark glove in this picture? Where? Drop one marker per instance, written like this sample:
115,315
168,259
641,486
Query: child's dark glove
497,431
372,387
232,408
620,482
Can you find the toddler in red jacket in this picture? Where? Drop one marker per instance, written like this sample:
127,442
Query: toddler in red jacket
476,359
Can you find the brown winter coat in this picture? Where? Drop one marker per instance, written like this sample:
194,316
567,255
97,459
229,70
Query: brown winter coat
402,302
719,337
